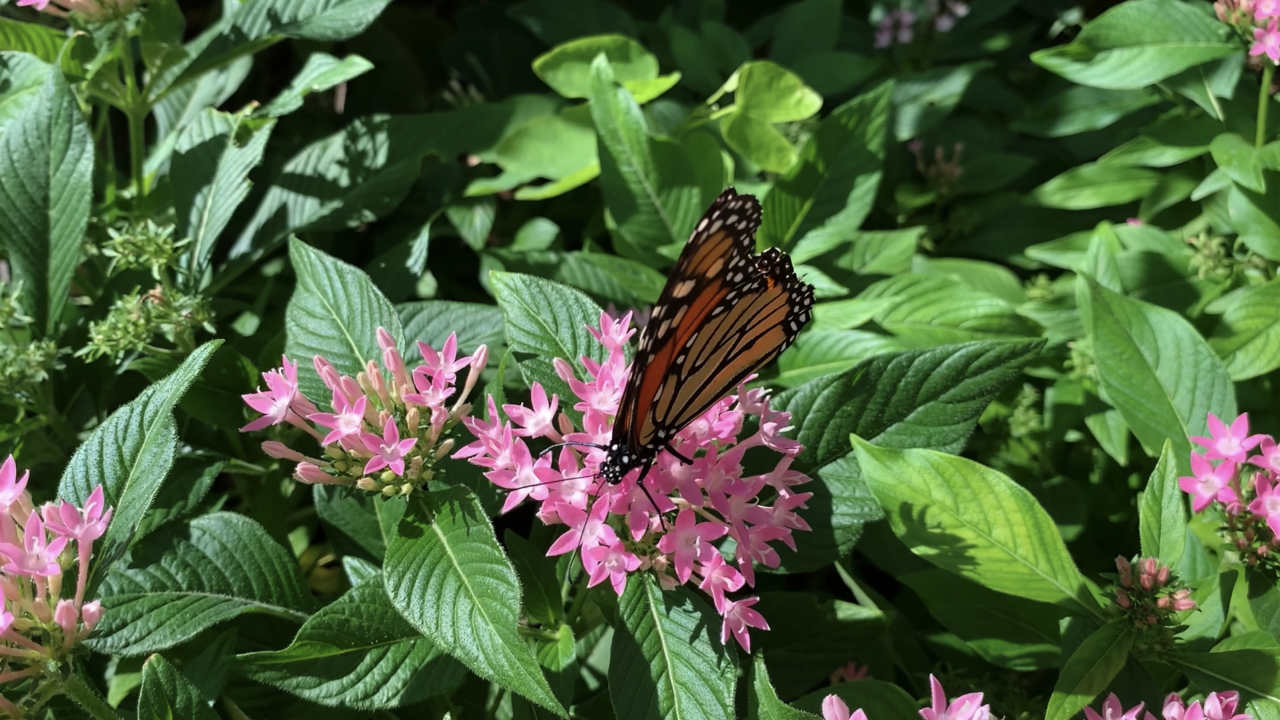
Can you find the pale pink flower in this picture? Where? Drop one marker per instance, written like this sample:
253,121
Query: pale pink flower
690,541
312,474
738,616
446,362
538,421
274,402
347,421
1264,9
613,562
965,707
12,487
1267,42
91,613
1113,710
525,477
1233,443
36,557
388,450
719,577
1270,458
833,708
67,617
1222,706
84,526
613,334
584,530
1208,483
1267,503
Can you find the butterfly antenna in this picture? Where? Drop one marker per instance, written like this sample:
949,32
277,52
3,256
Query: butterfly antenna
571,443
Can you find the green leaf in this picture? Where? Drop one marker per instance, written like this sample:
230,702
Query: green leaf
551,146
933,310
805,28
1256,217
129,455
46,188
1005,630
666,662
1252,671
650,188
184,579
321,72
823,352
566,68
923,100
919,398
209,176
358,653
975,522
1095,185
179,108
538,578
1139,43
607,278
829,191
166,694
1156,370
23,75
38,41
186,486
1248,335
335,311
447,575
1241,161
1162,522
1080,109
533,331
473,219
555,21
432,321
758,141
357,174
763,701
255,26
809,636
880,252
772,94
1090,670
357,525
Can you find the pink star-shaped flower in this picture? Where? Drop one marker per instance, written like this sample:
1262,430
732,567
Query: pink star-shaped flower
738,617
274,402
719,577
36,557
690,541
445,363
83,526
525,478
1111,710
1233,443
613,562
587,530
12,487
1208,483
388,450
833,708
1267,42
539,420
965,707
347,421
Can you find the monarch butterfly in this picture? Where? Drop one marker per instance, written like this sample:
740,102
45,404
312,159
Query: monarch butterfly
725,312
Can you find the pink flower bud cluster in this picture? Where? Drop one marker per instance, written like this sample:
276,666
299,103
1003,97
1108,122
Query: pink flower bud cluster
37,622
850,672
1246,488
1148,593
390,425
616,526
899,26
1216,706
91,9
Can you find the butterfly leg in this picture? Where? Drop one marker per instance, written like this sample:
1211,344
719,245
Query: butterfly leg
644,469
677,455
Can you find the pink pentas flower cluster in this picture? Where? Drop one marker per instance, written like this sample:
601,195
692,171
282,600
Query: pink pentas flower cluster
1239,474
91,9
1256,18
899,26
617,527
965,707
389,425
1216,706
38,623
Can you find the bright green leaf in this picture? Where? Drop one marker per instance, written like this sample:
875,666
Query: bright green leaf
1248,335
1090,669
566,68
1094,185
166,694
1162,522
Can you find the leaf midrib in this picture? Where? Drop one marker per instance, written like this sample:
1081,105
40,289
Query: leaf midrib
668,676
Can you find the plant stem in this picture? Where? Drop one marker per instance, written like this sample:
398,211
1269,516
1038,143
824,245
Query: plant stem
1264,101
88,698
136,112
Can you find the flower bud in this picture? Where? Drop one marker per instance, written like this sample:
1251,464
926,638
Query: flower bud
389,491
313,475
1162,576
280,451
1122,599
91,613
443,449
369,484
66,616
